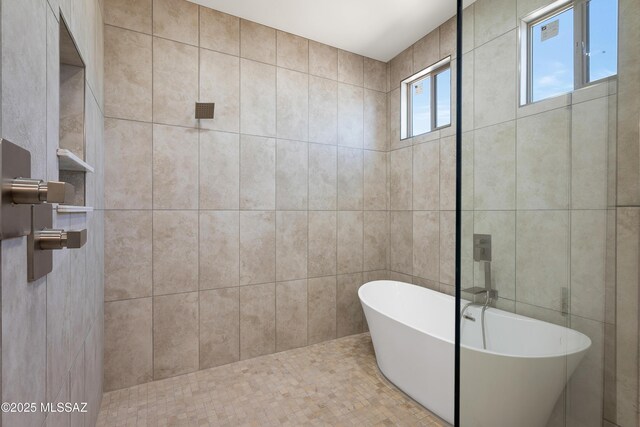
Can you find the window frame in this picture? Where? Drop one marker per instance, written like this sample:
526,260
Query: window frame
580,47
406,98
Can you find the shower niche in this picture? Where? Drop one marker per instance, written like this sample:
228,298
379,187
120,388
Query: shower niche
71,151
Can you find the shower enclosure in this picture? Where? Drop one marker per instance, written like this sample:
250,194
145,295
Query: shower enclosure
544,113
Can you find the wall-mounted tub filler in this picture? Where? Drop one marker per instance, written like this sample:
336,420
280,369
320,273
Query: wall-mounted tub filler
481,254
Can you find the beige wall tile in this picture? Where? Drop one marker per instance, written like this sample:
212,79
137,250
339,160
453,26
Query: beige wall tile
375,120
292,52
350,178
448,173
323,172
543,161
220,83
400,179
493,18
322,243
322,309
175,335
401,241
350,68
375,75
292,159
128,343
219,173
627,273
468,81
585,391
257,320
401,67
257,42
257,247
257,172
495,87
628,134
448,247
219,242
292,105
501,225
494,168
24,359
426,245
350,115
175,82
588,263
393,107
132,15
589,151
448,38
349,316
257,98
542,238
175,252
291,314
219,327
127,249
219,31
175,174
176,20
375,180
525,7
426,51
467,172
323,110
426,176
323,60
128,151
375,240
291,245
350,241
127,74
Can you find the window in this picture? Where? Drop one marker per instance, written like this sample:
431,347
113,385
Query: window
426,100
568,45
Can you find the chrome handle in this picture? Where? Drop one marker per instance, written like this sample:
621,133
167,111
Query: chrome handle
60,239
35,191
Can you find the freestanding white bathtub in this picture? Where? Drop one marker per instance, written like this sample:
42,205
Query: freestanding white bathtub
514,382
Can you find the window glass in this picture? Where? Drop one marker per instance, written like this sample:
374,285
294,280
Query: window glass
443,98
603,38
421,106
552,56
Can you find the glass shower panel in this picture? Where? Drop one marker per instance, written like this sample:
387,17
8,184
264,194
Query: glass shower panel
536,263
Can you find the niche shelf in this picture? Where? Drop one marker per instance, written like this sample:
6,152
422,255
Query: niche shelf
71,162
73,209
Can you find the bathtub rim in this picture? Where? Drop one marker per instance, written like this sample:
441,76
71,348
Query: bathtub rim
497,311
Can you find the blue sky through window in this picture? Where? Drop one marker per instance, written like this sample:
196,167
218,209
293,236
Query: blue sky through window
553,58
603,38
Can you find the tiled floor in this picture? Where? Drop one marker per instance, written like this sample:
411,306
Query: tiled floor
333,383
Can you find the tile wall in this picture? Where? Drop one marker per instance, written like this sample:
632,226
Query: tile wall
52,328
247,234
540,179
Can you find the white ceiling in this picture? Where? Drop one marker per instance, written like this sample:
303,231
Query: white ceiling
379,29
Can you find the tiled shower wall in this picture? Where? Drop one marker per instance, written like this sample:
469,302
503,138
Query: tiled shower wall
52,328
250,233
540,179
